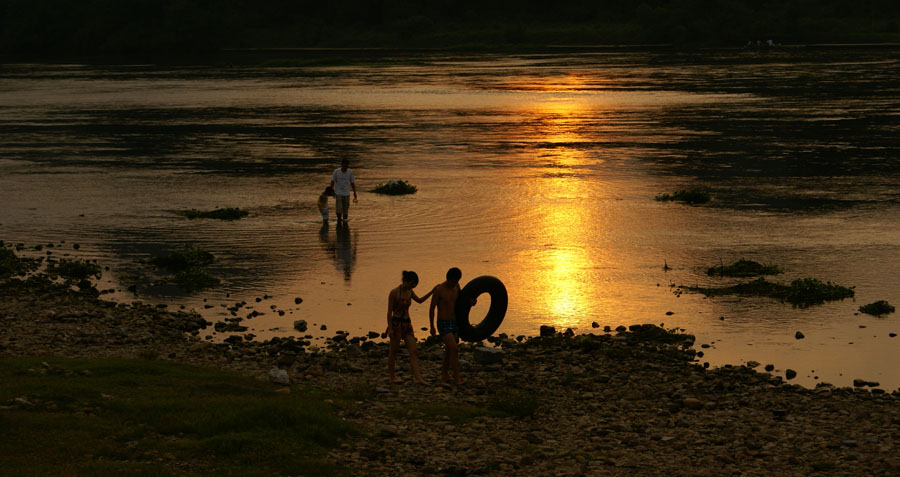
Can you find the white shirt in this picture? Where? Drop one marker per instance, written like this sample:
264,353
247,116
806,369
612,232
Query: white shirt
342,181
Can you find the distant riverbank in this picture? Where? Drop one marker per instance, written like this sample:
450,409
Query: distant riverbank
64,29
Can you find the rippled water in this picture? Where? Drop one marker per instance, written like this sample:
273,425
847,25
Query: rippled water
538,169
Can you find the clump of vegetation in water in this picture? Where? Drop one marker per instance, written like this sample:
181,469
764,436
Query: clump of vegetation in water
878,308
803,292
72,270
744,268
195,279
397,187
188,257
12,265
689,196
187,265
655,334
229,213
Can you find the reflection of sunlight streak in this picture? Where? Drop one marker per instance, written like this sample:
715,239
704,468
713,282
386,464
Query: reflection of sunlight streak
563,219
562,224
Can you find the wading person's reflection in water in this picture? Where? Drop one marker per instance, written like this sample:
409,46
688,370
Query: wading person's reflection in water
341,247
399,325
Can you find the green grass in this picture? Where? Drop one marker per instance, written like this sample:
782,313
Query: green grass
228,213
395,188
877,308
108,417
744,268
803,292
688,196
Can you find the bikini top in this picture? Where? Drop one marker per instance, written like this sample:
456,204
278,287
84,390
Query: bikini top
401,308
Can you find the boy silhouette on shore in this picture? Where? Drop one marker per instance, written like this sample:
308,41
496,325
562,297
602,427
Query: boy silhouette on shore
444,300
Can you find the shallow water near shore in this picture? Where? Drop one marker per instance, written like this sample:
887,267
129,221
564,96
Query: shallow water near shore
538,169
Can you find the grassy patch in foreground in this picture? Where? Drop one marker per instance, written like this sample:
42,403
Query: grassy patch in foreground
803,292
228,213
108,417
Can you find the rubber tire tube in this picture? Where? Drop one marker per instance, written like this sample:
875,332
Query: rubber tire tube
499,300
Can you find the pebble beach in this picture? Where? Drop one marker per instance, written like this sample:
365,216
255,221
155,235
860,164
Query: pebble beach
632,402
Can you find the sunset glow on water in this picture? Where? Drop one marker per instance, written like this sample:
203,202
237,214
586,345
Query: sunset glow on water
540,170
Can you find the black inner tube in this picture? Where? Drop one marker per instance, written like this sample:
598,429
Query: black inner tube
499,300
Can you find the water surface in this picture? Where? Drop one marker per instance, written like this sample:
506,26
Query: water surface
538,169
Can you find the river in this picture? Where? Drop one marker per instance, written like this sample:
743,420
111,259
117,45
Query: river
539,169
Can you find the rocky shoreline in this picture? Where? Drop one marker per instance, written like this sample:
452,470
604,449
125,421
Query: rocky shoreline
633,403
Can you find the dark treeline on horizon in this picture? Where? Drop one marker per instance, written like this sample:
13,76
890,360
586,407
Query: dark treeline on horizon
114,27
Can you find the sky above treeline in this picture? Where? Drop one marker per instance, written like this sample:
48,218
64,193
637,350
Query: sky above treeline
109,27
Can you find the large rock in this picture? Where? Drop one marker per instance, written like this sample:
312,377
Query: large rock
547,330
279,376
300,325
485,355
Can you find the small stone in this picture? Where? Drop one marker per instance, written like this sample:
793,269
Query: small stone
484,355
892,335
595,325
300,325
753,364
859,383
798,335
670,313
279,376
692,403
770,367
790,374
298,300
547,330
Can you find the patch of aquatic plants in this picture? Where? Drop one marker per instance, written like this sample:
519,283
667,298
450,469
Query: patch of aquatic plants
744,268
656,334
803,292
13,265
686,196
187,265
877,308
228,213
195,279
188,257
398,187
72,270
